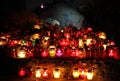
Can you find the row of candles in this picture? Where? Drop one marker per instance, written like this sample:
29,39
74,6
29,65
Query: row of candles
76,73
52,51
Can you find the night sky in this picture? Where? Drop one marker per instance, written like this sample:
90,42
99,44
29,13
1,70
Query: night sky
100,14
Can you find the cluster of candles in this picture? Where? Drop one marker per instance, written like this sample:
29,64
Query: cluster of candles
76,73
64,42
60,42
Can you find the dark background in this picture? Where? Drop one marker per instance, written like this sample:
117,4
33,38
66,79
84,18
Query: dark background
103,14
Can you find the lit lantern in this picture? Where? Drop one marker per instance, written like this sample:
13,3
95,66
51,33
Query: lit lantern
73,53
21,72
52,51
67,35
89,75
83,74
111,53
36,26
59,52
76,73
3,41
45,73
89,29
21,53
102,35
64,42
104,46
16,41
81,44
77,52
56,73
112,43
38,73
88,42
44,53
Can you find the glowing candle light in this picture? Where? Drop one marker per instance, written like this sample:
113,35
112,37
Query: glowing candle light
81,44
44,53
88,42
45,73
104,46
102,35
67,35
64,42
76,73
38,73
21,72
59,52
21,54
52,51
36,26
90,75
83,74
56,73
111,52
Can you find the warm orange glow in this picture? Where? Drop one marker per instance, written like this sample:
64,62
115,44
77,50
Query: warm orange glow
76,73
46,38
52,51
104,46
2,43
35,36
81,43
45,74
36,26
56,73
37,73
21,54
88,41
67,35
83,73
102,35
90,75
